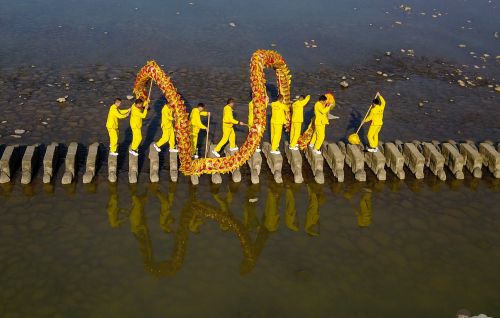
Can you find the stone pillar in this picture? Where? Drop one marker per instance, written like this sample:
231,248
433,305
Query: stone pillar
295,160
316,163
90,167
453,159
394,159
275,162
173,166
414,160
154,164
7,163
335,158
112,168
355,159
491,158
49,160
236,174
255,163
473,159
216,177
28,163
195,180
69,164
434,160
133,168
376,162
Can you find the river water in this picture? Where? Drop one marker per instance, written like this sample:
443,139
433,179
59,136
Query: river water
374,249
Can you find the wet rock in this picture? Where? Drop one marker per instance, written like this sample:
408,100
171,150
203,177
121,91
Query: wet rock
19,131
344,84
232,24
461,83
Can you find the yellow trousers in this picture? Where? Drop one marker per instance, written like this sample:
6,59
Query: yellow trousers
276,136
136,138
295,132
227,135
318,136
167,136
113,139
194,142
373,135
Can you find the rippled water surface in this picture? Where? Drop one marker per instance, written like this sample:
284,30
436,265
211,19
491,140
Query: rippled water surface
400,248
376,249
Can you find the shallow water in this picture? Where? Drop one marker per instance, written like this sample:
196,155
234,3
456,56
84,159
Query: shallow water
392,249
377,249
198,33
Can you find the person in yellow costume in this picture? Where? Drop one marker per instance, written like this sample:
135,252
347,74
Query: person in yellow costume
114,114
376,116
278,119
138,113
251,116
297,120
167,127
321,110
196,125
228,133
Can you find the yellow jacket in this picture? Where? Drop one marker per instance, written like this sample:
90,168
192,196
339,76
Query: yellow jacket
195,119
376,115
136,117
321,113
167,116
298,109
278,114
113,115
227,118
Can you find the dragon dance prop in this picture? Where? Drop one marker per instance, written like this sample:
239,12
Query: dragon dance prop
261,59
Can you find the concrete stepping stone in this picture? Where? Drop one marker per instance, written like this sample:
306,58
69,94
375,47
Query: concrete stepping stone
69,164
133,168
255,164
236,174
335,159
154,164
473,159
7,163
295,160
90,166
316,163
274,161
491,158
453,159
394,159
49,161
28,163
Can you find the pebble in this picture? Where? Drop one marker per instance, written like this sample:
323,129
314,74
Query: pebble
462,45
461,83
388,53
344,84
496,35
253,200
497,89
4,121
15,136
61,99
19,131
129,97
399,22
91,79
44,123
232,24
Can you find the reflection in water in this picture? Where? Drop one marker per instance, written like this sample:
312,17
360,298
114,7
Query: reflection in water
312,216
364,213
291,209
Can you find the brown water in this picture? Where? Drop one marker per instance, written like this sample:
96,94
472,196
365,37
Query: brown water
377,249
